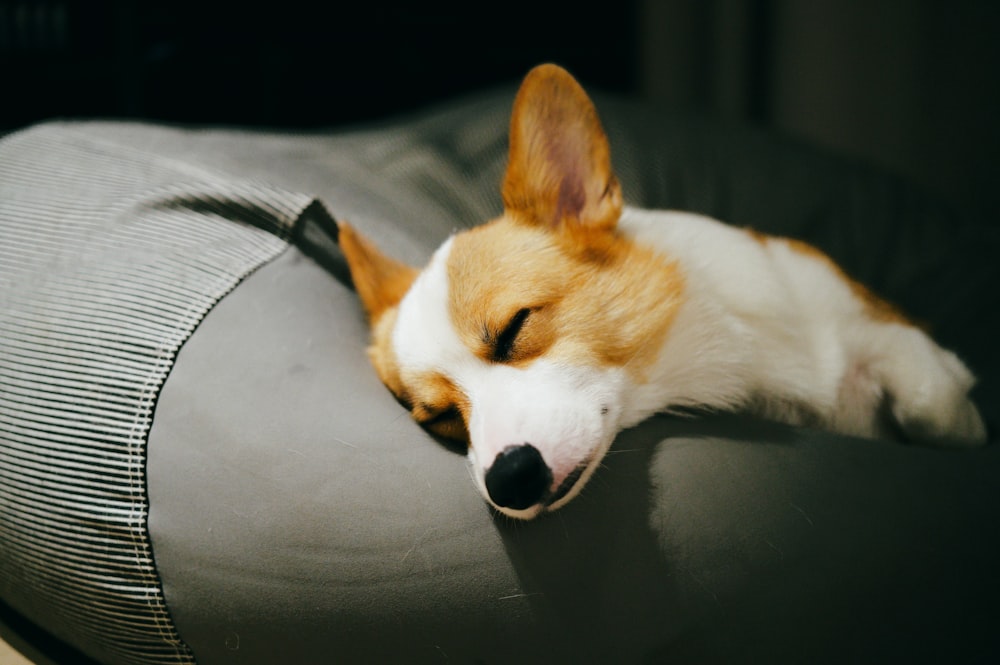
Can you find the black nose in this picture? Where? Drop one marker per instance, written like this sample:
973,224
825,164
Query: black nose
519,477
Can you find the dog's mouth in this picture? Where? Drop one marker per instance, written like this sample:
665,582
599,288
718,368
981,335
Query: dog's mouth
568,483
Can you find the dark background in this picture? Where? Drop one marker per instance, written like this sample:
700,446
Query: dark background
292,63
909,85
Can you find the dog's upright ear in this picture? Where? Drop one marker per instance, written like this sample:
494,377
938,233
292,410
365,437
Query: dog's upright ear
381,281
559,169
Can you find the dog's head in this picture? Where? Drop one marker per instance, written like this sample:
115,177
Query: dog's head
525,336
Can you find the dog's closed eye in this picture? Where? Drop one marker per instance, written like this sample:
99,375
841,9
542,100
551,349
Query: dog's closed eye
503,346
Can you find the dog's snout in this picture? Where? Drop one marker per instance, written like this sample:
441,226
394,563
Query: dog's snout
518,478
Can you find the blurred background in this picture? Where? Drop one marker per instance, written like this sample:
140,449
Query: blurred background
912,86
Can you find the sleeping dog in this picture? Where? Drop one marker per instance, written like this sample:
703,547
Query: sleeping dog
538,336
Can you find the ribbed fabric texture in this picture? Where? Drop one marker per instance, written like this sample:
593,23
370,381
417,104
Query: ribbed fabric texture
109,258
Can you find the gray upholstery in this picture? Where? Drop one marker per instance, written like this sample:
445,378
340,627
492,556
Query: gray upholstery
109,260
296,514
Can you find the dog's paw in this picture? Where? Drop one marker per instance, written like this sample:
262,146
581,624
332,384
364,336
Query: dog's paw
930,400
958,425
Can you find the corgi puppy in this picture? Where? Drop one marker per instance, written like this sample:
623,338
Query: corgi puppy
541,334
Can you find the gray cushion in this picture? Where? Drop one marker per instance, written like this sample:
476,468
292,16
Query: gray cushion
296,513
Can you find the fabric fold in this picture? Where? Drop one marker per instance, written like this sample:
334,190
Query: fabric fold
109,259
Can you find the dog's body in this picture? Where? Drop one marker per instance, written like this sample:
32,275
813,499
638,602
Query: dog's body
539,336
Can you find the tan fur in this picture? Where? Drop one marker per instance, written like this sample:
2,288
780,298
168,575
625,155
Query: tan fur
878,308
439,405
382,357
566,181
615,311
381,281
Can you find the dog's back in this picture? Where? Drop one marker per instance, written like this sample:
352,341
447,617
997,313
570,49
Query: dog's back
775,325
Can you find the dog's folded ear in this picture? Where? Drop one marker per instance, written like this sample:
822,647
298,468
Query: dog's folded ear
381,281
559,169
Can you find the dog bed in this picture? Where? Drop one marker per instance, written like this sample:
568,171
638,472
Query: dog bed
198,465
